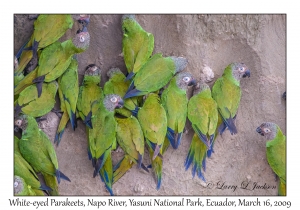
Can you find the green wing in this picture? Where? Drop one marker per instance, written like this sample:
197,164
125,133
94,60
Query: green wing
203,114
49,28
130,137
68,84
153,120
58,65
34,106
155,74
228,96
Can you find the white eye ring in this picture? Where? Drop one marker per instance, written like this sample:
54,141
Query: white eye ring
186,79
18,122
81,38
114,99
241,69
16,184
267,130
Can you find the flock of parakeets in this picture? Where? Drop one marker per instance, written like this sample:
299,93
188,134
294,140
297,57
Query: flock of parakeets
147,108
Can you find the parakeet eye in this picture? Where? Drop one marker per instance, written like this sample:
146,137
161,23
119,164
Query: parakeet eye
18,122
267,130
114,99
94,68
16,184
186,79
241,69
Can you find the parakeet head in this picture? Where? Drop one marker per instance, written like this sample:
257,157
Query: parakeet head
129,23
240,70
92,70
113,71
21,122
82,39
185,79
180,63
112,102
18,185
268,130
200,87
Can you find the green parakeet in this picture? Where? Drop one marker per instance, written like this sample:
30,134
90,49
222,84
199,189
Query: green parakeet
137,45
21,187
68,94
153,120
175,101
155,74
203,115
130,137
56,58
90,94
102,138
30,104
276,152
37,149
227,93
117,85
25,171
47,29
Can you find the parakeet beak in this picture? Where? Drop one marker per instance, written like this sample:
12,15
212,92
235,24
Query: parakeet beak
120,104
259,130
85,22
247,74
192,82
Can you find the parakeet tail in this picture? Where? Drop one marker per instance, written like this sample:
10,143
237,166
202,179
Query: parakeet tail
18,55
282,188
106,174
50,181
60,175
100,162
122,167
157,164
196,155
61,128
